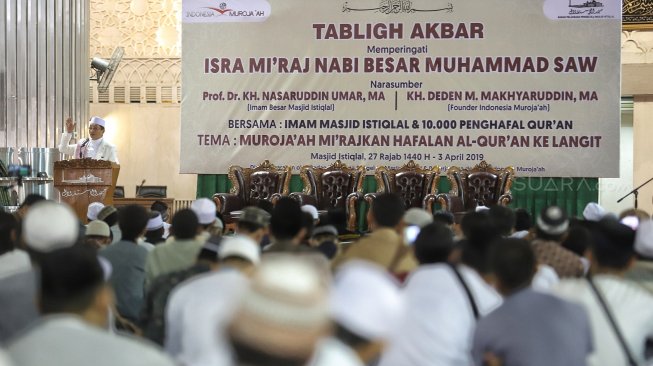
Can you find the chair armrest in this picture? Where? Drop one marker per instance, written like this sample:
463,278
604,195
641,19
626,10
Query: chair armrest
428,202
275,197
303,199
227,202
451,203
370,197
504,199
351,208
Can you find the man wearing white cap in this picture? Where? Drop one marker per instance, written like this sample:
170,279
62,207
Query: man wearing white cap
94,146
93,210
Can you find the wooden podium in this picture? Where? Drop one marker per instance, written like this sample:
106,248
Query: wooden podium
79,182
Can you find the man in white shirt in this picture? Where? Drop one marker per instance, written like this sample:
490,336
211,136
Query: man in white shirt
611,255
94,146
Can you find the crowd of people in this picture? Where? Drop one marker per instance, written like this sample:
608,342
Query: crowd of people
494,286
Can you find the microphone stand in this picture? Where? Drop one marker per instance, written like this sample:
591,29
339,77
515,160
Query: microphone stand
635,192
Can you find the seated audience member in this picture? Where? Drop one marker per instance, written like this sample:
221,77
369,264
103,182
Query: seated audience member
76,301
551,227
530,327
12,259
109,214
153,313
417,217
594,212
128,261
200,309
47,226
307,224
155,231
286,227
503,218
611,255
217,229
311,210
365,306
205,210
162,208
443,303
98,234
479,233
642,271
178,253
385,245
641,215
523,224
93,210
324,238
253,223
287,336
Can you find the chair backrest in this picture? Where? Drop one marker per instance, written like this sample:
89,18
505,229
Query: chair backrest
259,183
410,181
481,185
330,186
151,191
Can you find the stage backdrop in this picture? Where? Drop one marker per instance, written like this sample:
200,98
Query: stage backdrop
533,84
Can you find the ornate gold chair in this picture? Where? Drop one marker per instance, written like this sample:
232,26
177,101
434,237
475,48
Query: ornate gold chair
482,185
416,186
332,187
250,185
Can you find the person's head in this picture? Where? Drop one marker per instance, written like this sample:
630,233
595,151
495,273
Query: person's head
644,240
387,212
434,244
154,230
204,209
417,217
8,227
523,220
73,282
552,223
96,128
594,212
132,222
93,210
513,265
109,214
479,232
98,234
503,218
366,306
49,226
612,247
162,208
312,211
265,205
444,217
288,335
209,253
29,200
253,222
578,237
286,221
241,253
184,224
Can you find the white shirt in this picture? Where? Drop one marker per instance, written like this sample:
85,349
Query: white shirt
92,148
66,340
631,306
439,324
332,352
14,262
197,315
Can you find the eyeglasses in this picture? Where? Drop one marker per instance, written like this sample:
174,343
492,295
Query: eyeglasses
94,127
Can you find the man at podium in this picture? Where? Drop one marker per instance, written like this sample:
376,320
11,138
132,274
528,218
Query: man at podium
94,146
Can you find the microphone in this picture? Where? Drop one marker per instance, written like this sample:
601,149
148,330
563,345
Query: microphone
83,146
138,190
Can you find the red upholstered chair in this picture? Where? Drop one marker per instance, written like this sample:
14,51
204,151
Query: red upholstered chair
330,187
416,186
482,185
249,185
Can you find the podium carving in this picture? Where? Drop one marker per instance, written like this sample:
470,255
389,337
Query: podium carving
79,182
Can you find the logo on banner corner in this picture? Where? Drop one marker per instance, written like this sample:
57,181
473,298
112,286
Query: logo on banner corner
582,9
219,11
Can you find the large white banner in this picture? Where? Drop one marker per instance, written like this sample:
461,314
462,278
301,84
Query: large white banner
534,84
